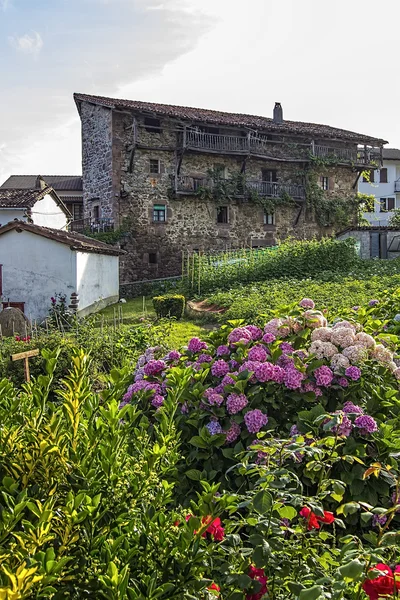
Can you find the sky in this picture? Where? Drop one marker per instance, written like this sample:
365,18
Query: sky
326,62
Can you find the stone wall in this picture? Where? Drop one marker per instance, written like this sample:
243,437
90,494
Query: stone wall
97,159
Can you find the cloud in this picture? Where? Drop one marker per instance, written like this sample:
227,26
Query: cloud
28,43
5,4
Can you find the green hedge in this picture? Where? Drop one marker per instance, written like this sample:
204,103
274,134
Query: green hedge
170,305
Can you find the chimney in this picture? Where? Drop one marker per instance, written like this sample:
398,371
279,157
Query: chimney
278,113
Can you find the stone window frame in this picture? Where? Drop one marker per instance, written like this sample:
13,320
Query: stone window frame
152,258
225,207
157,210
155,162
269,219
324,183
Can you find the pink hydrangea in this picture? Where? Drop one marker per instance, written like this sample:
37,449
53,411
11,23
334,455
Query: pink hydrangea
255,420
347,324
256,332
382,355
220,368
339,362
366,424
174,355
157,401
265,372
239,335
349,407
307,303
227,380
309,386
396,372
323,376
364,339
355,354
222,350
323,349
342,381
277,327
293,378
268,338
353,373
315,319
258,354
286,348
322,334
342,336
235,403
344,427
154,367
196,345
233,432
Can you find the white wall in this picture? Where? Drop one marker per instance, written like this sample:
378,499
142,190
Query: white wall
34,269
10,214
46,213
382,190
97,281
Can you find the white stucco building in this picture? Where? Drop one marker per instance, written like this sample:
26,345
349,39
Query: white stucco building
39,206
37,263
384,184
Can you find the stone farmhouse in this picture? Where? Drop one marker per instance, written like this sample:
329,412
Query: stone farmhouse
67,187
179,178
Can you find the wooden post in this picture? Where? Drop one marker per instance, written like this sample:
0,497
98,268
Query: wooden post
25,356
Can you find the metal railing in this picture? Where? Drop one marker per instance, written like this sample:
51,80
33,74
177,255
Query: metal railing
92,225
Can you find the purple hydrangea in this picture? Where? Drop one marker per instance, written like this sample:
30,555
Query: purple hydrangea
125,400
256,332
255,420
286,348
353,373
349,407
227,380
216,399
204,358
139,374
355,308
307,303
222,350
141,361
309,386
173,356
293,378
373,302
285,361
378,520
214,427
396,500
323,376
196,345
235,403
157,401
233,432
345,426
219,389
234,365
154,367
220,368
240,334
294,431
258,354
268,338
366,424
342,381
265,372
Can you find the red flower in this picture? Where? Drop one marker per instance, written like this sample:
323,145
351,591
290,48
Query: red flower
215,528
214,587
314,520
383,585
258,575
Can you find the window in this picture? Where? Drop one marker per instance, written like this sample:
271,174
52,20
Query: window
386,204
383,176
152,258
268,175
152,125
77,212
222,214
159,213
154,166
96,212
325,183
269,218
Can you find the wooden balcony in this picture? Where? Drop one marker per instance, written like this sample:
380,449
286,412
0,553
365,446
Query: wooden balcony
91,225
186,185
254,144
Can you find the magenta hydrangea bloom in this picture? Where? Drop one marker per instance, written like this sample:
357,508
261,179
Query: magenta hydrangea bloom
378,520
174,355
255,420
353,373
258,354
240,334
342,381
227,380
196,345
235,403
256,332
233,432
307,303
214,427
233,365
157,401
268,338
286,348
204,358
222,350
220,368
345,426
350,408
293,378
219,389
154,367
323,376
265,372
366,424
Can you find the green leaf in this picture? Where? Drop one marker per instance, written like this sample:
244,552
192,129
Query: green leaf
352,570
194,474
198,442
262,502
287,512
311,593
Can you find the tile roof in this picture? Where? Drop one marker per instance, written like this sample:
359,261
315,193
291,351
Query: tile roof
230,119
75,241
391,154
21,198
70,183
72,199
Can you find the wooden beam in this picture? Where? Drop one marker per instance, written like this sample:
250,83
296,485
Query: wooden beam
27,354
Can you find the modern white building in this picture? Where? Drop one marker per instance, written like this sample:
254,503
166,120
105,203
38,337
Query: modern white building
40,206
37,263
384,184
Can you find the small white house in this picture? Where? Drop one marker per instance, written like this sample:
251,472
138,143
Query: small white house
37,263
384,184
39,206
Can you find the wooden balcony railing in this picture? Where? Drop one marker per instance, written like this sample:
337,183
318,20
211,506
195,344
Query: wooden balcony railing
92,225
260,145
192,185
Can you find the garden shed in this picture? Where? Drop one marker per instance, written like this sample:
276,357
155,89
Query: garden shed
37,263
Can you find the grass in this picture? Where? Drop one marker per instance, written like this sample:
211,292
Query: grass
177,333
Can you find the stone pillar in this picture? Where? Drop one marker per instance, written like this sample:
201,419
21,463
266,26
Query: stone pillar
74,302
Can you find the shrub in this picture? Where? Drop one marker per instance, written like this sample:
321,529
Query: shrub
170,305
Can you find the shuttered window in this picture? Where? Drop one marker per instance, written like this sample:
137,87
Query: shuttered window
383,176
159,213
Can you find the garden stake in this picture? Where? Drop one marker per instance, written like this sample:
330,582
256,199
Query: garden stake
25,356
